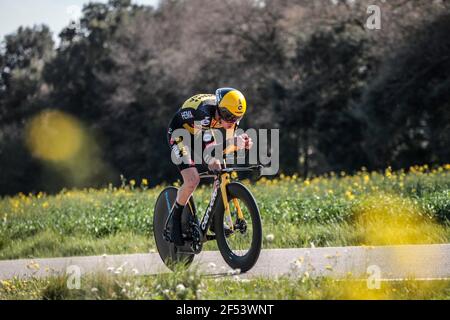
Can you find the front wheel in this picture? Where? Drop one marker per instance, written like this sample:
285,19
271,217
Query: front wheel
240,245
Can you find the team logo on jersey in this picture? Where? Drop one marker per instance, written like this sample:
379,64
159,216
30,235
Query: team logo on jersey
185,115
205,122
207,137
176,151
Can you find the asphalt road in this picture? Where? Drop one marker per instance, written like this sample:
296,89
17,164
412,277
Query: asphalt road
388,262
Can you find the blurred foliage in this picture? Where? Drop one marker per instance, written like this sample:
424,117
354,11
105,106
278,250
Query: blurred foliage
342,95
190,284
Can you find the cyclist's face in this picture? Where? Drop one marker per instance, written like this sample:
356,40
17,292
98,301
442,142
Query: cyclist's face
223,123
226,124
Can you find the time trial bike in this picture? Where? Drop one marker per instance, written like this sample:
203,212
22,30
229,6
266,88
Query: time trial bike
231,218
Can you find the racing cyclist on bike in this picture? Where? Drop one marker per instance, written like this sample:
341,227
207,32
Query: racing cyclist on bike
223,110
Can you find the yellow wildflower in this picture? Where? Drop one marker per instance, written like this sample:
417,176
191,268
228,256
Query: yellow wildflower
349,195
5,283
388,172
15,203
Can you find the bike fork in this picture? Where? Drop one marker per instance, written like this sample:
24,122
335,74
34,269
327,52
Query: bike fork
223,188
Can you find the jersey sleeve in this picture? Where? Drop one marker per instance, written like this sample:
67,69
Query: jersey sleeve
230,145
194,115
192,120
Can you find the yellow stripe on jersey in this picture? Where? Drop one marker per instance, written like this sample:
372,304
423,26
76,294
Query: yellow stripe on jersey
189,128
229,135
195,101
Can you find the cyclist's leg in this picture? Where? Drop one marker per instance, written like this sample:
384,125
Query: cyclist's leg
190,181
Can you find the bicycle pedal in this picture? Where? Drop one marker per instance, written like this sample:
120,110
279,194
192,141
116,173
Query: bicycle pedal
210,237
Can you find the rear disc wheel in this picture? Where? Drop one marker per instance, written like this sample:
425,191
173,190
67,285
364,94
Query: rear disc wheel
169,253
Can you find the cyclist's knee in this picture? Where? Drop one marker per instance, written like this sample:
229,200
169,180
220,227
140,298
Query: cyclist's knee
192,184
191,179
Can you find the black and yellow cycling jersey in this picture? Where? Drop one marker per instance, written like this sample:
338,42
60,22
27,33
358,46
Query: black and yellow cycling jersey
198,115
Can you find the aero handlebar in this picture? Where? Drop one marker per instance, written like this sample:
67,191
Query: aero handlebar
213,174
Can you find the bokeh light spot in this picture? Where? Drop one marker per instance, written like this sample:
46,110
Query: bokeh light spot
54,136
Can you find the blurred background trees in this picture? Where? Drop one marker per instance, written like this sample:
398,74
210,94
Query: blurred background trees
343,96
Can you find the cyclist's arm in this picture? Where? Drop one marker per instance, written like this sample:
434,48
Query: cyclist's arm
210,145
231,143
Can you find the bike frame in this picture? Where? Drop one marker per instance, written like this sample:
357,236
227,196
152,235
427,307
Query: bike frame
221,182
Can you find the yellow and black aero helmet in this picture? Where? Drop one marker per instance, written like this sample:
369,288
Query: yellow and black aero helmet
231,104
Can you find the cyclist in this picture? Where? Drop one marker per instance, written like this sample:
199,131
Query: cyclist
199,114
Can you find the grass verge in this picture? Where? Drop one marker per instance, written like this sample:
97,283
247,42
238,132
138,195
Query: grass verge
189,284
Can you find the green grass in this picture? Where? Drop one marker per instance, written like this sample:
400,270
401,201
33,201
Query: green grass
332,210
190,284
50,244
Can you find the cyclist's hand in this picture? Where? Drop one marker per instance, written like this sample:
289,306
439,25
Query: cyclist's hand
214,165
244,142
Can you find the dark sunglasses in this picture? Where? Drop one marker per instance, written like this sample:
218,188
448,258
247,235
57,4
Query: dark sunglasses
228,116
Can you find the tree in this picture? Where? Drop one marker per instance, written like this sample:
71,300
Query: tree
22,62
407,110
328,67
22,93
